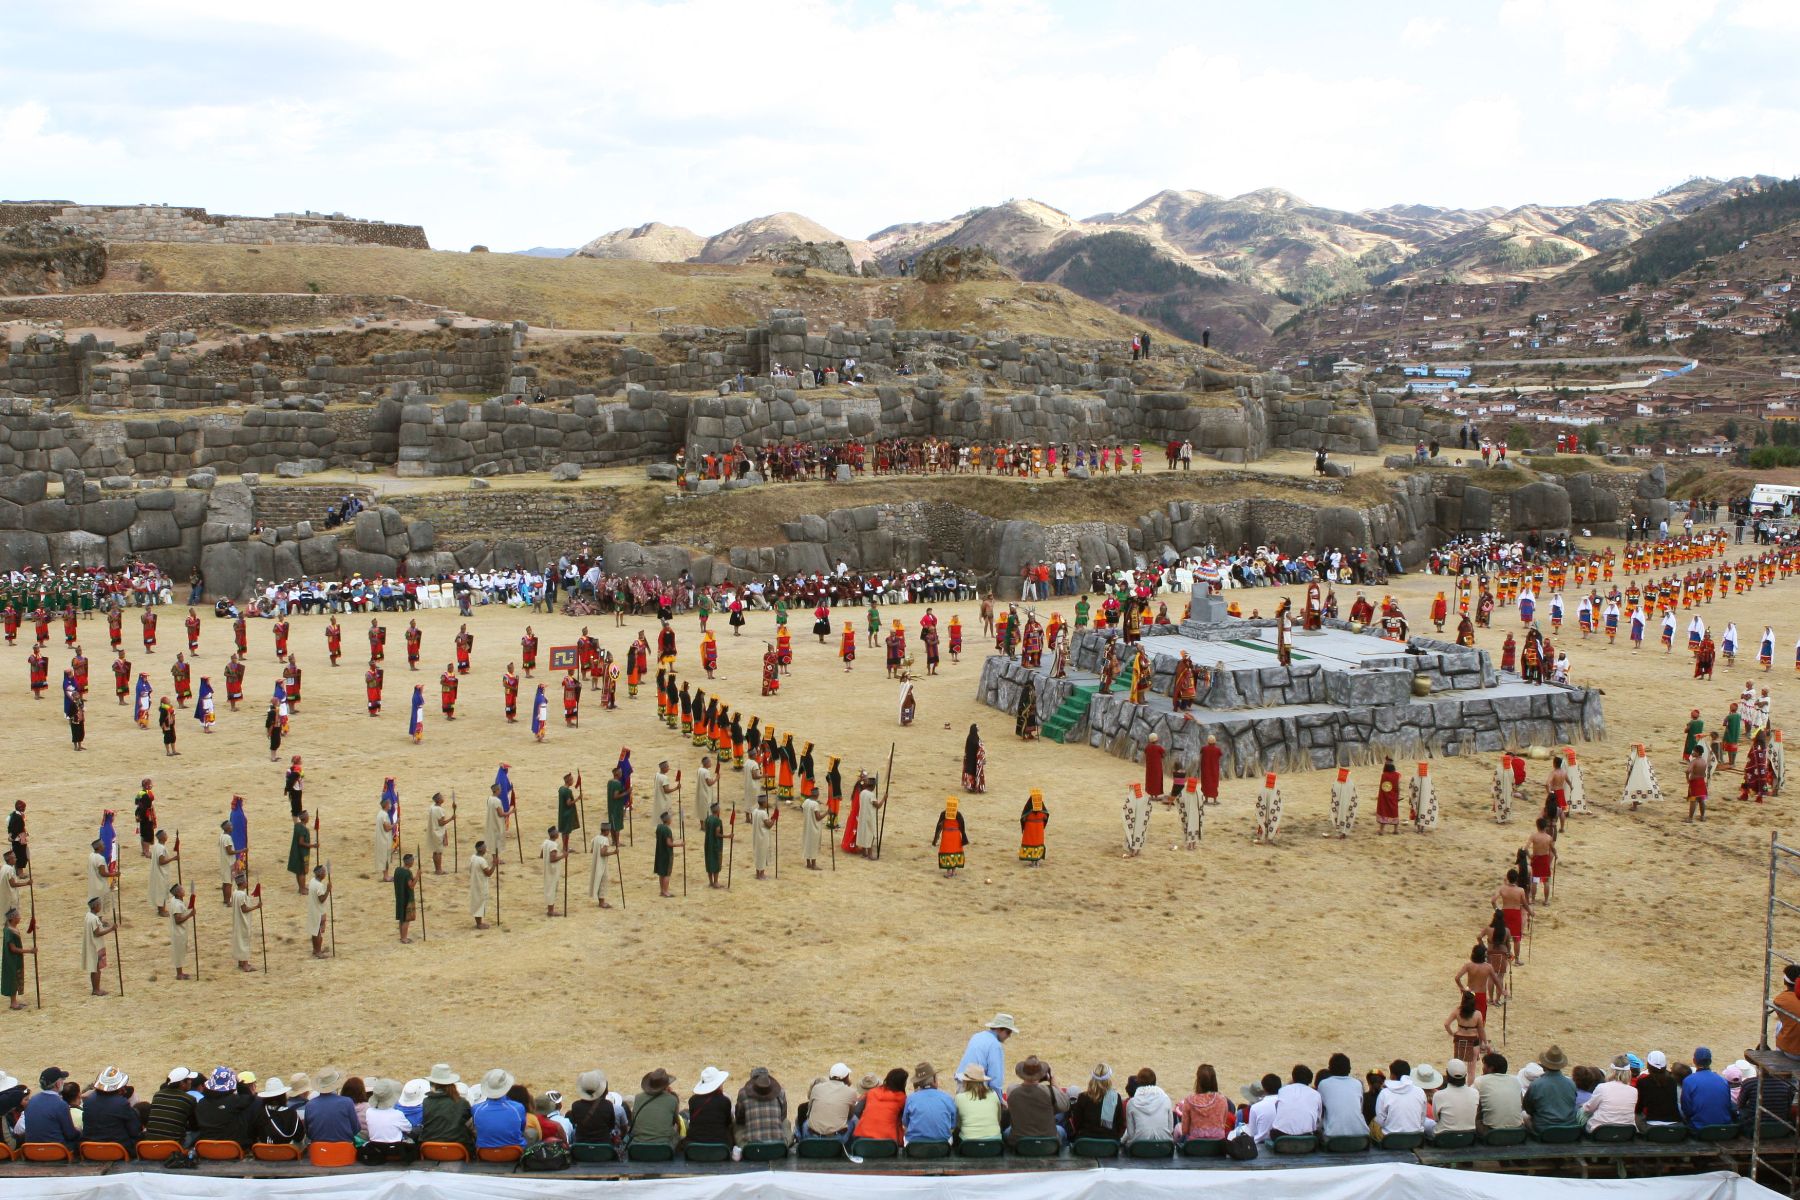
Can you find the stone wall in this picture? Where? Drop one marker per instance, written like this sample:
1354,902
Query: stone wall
500,437
156,310
164,223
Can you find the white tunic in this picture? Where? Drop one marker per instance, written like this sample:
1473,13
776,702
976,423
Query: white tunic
1577,790
762,838
1136,813
478,887
600,869
179,945
1268,812
752,786
662,799
384,841
496,825
812,815
1640,781
160,856
1424,803
315,907
10,887
97,881
706,790
1503,793
90,941
1343,806
241,902
550,854
1193,818
227,857
437,821
868,820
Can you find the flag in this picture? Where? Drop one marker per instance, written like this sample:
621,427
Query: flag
31,928
257,890
390,792
240,832
109,840
504,782
415,724
540,711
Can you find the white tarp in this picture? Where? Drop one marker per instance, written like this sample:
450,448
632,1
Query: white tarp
1370,1182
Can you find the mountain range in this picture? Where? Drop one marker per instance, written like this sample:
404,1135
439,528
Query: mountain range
1192,261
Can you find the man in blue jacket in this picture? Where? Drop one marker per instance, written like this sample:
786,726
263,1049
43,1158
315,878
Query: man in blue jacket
1705,1096
47,1113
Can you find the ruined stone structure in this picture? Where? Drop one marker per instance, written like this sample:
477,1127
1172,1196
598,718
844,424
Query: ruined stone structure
164,223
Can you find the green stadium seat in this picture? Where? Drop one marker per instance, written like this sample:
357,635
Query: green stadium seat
1558,1135
1037,1147
765,1151
928,1149
1203,1148
593,1152
1665,1135
649,1152
1351,1145
1504,1137
1095,1148
1612,1134
1399,1141
706,1152
1716,1133
1286,1143
1453,1139
874,1148
819,1147
981,1147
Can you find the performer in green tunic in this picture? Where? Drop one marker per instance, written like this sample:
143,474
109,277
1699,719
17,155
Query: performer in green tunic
406,898
615,804
568,817
12,962
664,866
300,851
713,832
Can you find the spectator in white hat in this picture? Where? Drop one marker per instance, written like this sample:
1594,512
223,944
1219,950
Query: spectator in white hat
108,1114
828,1104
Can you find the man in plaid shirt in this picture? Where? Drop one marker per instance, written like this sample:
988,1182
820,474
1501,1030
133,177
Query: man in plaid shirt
762,1112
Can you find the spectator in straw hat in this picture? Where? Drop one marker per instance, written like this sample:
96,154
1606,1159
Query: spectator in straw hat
387,1124
498,1120
979,1115
331,1117
709,1111
987,1046
930,1112
1035,1102
108,1115
654,1111
412,1101
761,1110
593,1115
279,1121
447,1117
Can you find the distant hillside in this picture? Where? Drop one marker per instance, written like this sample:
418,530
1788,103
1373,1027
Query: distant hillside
1680,245
656,242
545,252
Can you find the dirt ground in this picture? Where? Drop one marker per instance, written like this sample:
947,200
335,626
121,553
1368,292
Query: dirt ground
1249,957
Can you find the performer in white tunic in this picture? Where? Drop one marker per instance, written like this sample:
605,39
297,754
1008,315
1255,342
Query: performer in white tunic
495,833
551,853
762,836
1777,762
1423,800
1268,810
868,819
600,869
1728,645
753,788
437,830
175,905
99,871
479,871
1193,815
384,841
93,949
318,894
1640,778
1136,811
1503,790
161,856
706,790
662,799
812,820
1577,790
1343,805
242,905
227,861
12,882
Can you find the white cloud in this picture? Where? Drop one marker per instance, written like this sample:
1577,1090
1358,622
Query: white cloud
1422,32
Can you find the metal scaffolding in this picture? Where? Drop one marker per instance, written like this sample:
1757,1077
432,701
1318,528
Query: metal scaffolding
1771,1124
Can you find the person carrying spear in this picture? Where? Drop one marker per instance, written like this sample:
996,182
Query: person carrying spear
93,946
318,912
12,961
601,849
193,908
405,898
242,905
713,838
663,864
180,915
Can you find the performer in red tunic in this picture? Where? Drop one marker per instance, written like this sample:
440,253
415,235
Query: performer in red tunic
79,666
1153,768
665,645
1387,799
571,689
334,640
234,681
280,630
12,625
377,640
121,670
447,691
68,622
115,620
240,632
290,675
528,646
39,668
1211,758
465,645
372,685
149,622
414,637
509,687
193,632
181,673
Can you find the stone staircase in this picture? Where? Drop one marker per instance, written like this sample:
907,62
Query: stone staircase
1073,711
278,506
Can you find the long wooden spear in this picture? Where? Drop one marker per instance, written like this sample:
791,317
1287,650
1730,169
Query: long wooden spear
262,926
36,986
118,960
881,820
419,890
193,909
731,852
455,835
681,819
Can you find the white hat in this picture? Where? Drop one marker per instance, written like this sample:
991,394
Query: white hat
1003,1021
497,1082
840,1071
710,1080
7,1081
1657,1059
271,1088
1744,1068
1425,1076
181,1075
413,1094
441,1073
111,1080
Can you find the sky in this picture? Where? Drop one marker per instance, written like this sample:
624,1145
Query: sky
550,122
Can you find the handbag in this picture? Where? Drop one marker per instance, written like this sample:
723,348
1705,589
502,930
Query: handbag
1240,1146
546,1156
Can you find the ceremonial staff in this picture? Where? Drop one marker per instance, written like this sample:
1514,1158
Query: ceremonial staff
775,821
831,834
455,834
496,890
681,819
36,987
581,799
565,878
118,961
194,909
518,832
262,926
331,907
419,890
621,882
881,819
731,851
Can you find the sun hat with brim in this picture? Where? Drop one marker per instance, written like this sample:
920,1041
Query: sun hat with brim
1426,1076
111,1080
711,1079
413,1093
1554,1059
1455,1069
762,1084
272,1089
1253,1093
924,1075
590,1085
330,1080
973,1073
840,1071
300,1086
1003,1021
497,1082
384,1093
657,1081
7,1081
223,1079
442,1074
1031,1070
1745,1068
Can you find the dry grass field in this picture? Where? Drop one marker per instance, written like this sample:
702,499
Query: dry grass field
1250,957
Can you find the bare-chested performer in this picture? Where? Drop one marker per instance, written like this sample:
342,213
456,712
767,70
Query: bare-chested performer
1514,903
1542,847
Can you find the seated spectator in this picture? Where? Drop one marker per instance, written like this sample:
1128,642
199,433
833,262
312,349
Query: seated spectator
277,1122
1204,1115
225,1113
1787,1002
498,1119
978,1111
595,1119
1457,1105
1099,1112
387,1124
71,1094
1550,1101
930,1112
1260,1096
881,1107
761,1114
1502,1099
1586,1079
1401,1106
358,1094
1149,1114
1035,1102
1297,1108
172,1109
447,1116
1705,1096
555,1125
828,1104
709,1112
1777,1092
1658,1093
412,1101
654,1112
47,1116
1614,1101
110,1115
1341,1097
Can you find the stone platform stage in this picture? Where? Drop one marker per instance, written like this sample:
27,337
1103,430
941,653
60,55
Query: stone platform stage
1345,698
